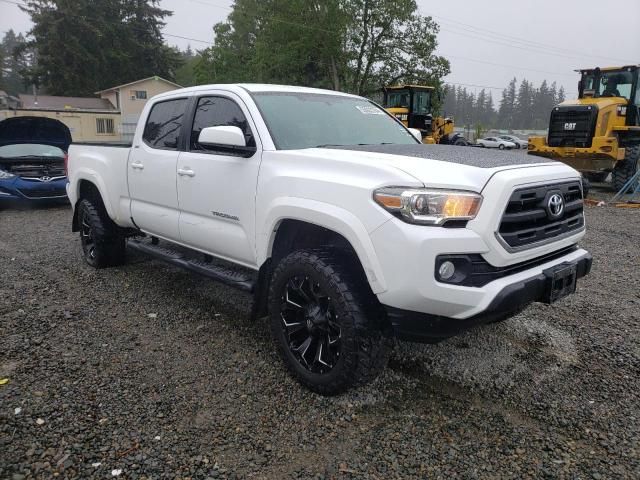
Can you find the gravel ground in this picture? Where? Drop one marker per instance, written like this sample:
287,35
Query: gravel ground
146,371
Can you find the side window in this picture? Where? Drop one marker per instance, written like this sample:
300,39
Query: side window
217,112
164,123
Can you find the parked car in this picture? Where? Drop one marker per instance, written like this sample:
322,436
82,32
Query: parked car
32,160
346,229
520,143
495,142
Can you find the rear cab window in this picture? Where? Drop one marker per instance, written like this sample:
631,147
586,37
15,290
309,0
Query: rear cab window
164,124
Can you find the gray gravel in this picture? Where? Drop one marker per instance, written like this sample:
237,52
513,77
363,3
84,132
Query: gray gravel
151,372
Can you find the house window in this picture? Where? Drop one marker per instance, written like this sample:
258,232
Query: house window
105,126
139,94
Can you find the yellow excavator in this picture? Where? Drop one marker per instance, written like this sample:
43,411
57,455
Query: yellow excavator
412,105
599,133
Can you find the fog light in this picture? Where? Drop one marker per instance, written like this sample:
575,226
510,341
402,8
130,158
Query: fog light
446,270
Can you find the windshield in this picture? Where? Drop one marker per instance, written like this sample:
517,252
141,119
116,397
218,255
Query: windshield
615,84
307,120
30,150
398,99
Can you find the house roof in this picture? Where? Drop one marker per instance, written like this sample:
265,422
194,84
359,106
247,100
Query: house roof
155,77
49,102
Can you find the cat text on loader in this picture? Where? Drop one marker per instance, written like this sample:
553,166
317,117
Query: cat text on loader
600,131
412,105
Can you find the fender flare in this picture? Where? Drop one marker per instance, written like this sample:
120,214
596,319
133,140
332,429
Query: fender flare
325,215
90,176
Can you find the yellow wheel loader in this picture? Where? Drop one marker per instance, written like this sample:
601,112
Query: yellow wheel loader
412,105
599,133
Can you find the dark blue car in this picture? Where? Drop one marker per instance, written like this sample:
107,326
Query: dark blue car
32,160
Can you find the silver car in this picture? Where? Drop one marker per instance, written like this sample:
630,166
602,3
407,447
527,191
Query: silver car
495,142
518,141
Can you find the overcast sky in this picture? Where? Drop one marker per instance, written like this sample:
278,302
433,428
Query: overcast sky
488,43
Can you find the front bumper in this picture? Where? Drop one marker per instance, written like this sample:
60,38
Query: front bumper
603,154
422,327
32,191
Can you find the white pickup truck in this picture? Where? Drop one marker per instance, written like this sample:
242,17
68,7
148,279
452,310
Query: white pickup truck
348,231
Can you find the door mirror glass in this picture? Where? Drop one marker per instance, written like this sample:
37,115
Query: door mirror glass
222,136
416,133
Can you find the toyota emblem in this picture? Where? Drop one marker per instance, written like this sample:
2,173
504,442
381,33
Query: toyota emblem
45,179
555,205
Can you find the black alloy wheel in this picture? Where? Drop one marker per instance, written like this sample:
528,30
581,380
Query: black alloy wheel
309,323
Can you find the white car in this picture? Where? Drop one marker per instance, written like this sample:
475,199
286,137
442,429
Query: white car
344,227
495,142
520,143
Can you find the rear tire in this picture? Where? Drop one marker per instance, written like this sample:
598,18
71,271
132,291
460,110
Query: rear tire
501,147
325,321
626,168
103,245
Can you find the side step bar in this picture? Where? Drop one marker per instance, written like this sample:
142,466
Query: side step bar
219,273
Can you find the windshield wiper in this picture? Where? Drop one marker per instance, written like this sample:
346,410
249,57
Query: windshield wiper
352,144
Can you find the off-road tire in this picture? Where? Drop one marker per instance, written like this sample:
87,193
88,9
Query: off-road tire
626,168
107,247
365,341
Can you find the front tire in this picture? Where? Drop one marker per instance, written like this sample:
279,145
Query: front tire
501,146
325,321
102,243
626,168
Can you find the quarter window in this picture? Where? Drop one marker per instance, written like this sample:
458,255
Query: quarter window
164,123
217,112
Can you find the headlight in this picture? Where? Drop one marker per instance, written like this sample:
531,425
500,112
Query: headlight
4,175
428,207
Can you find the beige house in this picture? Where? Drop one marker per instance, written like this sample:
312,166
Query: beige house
131,98
111,117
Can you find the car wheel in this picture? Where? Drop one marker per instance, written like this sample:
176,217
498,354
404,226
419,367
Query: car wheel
501,146
102,244
326,323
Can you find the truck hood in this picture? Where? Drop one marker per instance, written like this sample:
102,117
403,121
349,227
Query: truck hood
437,166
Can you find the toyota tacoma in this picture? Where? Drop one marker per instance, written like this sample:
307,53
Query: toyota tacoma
344,227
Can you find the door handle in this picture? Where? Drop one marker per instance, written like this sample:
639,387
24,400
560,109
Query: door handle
137,166
186,172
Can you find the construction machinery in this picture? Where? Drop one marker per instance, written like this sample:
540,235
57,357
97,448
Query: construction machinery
413,106
599,133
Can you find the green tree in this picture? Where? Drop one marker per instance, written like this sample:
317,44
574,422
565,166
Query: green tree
185,74
84,45
13,61
350,45
388,42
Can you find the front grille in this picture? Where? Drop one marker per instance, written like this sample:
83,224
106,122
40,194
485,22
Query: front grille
572,126
527,220
37,170
43,192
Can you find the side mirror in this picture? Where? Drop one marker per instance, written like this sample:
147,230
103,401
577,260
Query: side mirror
222,136
225,139
416,133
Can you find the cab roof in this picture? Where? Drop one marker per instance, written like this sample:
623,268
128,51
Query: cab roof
417,87
608,69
